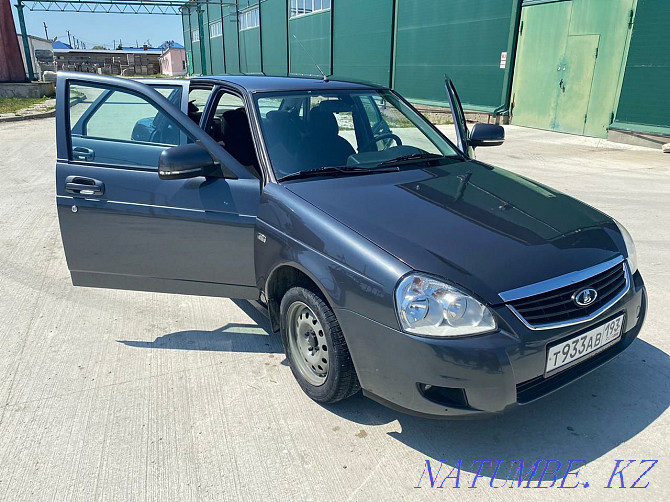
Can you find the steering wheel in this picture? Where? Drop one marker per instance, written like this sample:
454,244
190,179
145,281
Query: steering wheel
376,139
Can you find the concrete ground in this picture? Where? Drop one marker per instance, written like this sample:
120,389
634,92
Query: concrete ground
114,395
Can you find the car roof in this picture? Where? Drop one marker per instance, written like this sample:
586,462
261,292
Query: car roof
262,83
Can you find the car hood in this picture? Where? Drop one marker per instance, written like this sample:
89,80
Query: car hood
483,228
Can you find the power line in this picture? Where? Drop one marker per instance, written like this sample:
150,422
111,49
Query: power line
117,6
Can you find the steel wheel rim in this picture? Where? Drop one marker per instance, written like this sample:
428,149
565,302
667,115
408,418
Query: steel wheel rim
307,343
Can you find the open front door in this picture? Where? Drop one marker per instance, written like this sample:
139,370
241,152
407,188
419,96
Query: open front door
122,226
462,132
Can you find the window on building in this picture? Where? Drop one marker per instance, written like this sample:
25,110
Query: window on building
215,29
195,35
250,18
302,7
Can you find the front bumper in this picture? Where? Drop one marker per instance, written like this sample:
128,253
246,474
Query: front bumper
483,374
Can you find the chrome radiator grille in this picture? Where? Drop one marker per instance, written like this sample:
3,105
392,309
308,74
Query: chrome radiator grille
558,307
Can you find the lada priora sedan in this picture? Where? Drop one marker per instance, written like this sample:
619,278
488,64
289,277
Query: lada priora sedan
389,259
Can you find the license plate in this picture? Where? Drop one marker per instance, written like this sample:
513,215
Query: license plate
584,345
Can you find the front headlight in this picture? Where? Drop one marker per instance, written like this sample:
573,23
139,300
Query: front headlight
430,307
630,247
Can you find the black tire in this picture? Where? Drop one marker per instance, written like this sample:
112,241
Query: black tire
339,379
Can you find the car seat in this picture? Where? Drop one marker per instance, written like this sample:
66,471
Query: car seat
236,138
322,146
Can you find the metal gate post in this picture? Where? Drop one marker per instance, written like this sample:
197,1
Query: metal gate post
24,37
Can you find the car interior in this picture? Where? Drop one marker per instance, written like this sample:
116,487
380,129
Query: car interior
302,132
229,126
299,134
310,143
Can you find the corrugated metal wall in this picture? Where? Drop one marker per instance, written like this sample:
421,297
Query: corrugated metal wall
411,44
462,38
250,43
231,39
215,45
309,43
274,36
644,104
362,39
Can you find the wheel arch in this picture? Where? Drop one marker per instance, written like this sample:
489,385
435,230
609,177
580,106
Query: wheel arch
282,278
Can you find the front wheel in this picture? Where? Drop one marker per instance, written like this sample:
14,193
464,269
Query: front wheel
315,347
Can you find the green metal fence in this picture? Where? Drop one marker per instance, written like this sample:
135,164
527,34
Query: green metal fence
411,44
644,104
463,38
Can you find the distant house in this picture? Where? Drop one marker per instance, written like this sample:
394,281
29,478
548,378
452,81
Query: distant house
127,61
60,45
173,60
41,55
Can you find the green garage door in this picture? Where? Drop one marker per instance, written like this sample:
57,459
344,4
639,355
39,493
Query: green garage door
569,65
543,31
576,79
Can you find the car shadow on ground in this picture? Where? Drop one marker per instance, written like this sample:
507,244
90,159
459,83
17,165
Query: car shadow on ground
582,421
233,337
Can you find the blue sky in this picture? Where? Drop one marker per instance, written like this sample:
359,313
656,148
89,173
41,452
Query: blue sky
103,29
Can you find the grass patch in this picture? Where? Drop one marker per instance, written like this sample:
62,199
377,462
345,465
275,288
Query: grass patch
11,105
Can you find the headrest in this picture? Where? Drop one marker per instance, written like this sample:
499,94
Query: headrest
234,123
237,138
278,118
322,123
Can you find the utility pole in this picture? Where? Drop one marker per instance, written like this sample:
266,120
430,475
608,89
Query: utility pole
46,33
69,39
201,30
24,37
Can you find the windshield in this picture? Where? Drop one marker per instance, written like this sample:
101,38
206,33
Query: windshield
312,130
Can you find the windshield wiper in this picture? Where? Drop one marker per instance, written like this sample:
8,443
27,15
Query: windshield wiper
414,156
336,171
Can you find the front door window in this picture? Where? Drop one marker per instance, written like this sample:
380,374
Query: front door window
116,127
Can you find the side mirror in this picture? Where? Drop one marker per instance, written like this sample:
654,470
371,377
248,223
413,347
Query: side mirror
186,161
487,135
143,130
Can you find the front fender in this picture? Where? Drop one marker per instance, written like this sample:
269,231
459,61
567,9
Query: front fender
351,272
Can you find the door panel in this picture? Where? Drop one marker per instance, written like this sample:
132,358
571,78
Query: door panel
191,236
186,230
576,81
115,152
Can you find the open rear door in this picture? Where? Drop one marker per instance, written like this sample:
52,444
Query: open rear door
462,132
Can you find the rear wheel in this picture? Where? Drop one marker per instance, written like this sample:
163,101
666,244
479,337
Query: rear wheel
315,347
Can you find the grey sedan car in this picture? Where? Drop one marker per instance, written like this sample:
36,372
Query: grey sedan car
386,255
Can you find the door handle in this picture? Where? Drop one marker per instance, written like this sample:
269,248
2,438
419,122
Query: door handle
82,153
79,185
